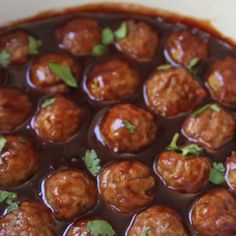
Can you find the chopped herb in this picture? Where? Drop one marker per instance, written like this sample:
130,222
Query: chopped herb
217,173
34,45
128,125
146,231
9,198
100,228
4,58
99,50
164,67
193,62
121,32
48,102
92,162
213,107
64,73
107,36
14,206
3,142
192,149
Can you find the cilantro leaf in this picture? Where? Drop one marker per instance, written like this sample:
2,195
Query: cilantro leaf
64,73
121,32
100,228
3,142
48,102
99,50
146,231
128,125
213,107
6,196
107,36
193,62
4,58
12,207
164,67
92,162
217,173
34,45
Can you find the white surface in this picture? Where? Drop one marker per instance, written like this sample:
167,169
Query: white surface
220,12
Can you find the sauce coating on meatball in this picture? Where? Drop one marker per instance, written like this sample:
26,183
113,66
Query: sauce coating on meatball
127,186
230,175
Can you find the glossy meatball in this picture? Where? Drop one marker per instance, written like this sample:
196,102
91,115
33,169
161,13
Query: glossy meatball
78,36
141,41
19,161
31,219
188,174
70,193
58,121
112,80
126,128
44,79
172,92
214,214
183,46
210,128
221,80
157,221
231,171
127,186
15,108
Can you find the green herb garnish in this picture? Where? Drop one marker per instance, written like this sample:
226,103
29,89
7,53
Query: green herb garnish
34,45
4,58
107,36
14,206
48,102
193,62
121,32
3,142
213,107
99,50
217,173
92,162
192,149
100,228
128,125
9,198
164,67
146,231
64,73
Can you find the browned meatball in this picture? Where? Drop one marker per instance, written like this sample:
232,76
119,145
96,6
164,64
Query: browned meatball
70,193
19,161
214,214
15,108
127,128
58,121
78,36
172,92
231,171
221,80
157,221
183,46
187,174
44,79
127,186
210,128
112,80
141,41
31,219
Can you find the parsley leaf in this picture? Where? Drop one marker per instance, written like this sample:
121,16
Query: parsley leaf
128,125
107,36
193,62
121,32
9,198
100,228
64,73
146,231
213,107
164,67
34,45
217,173
4,58
92,162
12,207
48,102
192,149
99,50
3,142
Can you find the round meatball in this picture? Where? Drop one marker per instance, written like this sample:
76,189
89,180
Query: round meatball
44,79
187,174
157,220
183,46
141,41
221,80
172,92
58,121
231,171
18,161
78,36
127,186
70,193
214,214
126,128
15,108
112,80
31,219
210,128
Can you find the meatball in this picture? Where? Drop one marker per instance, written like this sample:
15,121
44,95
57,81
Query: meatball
70,193
78,36
172,92
221,80
44,79
127,128
214,214
31,219
157,220
127,186
58,121
231,171
19,161
187,174
141,41
15,108
212,129
112,80
183,46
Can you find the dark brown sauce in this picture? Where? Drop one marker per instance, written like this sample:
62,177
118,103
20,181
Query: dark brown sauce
69,154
